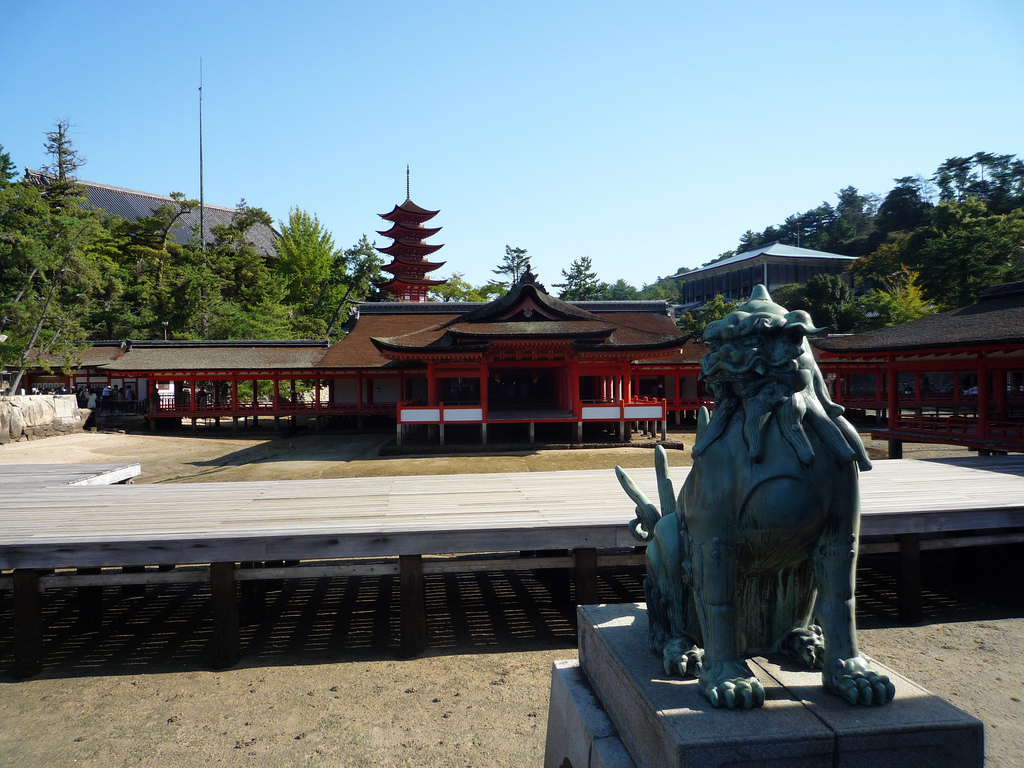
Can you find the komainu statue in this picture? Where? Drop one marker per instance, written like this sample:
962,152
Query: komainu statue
758,553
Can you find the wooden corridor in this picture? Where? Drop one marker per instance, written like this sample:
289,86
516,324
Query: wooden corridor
55,534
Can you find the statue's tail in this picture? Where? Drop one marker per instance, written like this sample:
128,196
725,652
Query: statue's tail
647,515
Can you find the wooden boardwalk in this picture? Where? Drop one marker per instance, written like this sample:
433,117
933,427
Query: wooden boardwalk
61,517
45,522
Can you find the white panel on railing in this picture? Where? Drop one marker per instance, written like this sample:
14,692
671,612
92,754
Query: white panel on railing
600,412
644,412
463,414
421,414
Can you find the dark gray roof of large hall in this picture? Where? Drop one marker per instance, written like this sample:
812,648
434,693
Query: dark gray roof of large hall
997,318
776,249
131,204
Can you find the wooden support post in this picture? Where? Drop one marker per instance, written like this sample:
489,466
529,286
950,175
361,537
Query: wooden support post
414,606
664,430
28,623
483,433
895,449
226,646
579,431
398,435
440,432
133,590
585,575
532,432
252,606
90,602
622,431
908,587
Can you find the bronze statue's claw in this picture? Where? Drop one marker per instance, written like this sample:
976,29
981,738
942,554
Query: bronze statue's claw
855,681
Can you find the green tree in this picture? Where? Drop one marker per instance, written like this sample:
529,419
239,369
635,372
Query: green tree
141,278
662,289
905,208
354,278
306,254
65,160
790,296
580,282
7,170
826,298
620,290
829,300
456,288
965,250
715,309
513,266
49,275
883,264
899,301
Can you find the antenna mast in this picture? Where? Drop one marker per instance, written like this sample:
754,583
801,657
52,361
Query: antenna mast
202,200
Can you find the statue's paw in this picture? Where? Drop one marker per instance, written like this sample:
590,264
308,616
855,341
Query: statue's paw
682,657
805,646
732,686
858,683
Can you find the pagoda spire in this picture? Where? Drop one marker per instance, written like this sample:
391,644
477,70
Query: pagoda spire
408,250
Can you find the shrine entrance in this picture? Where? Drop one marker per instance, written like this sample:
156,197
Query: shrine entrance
522,390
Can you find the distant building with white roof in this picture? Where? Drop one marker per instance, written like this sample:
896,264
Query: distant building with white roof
773,265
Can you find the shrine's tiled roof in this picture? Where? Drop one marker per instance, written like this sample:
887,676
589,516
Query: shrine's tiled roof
100,353
218,356
997,318
357,350
528,313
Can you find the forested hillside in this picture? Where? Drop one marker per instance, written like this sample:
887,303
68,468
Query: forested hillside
930,243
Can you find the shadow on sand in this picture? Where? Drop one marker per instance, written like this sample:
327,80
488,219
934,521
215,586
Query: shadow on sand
318,621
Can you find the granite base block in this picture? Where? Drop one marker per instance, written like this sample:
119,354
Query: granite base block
619,694
579,730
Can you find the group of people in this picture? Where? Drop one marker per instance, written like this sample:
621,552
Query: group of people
90,397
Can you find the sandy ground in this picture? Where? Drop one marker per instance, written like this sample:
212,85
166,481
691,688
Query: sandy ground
320,684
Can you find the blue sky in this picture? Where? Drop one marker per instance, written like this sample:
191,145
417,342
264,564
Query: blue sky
647,136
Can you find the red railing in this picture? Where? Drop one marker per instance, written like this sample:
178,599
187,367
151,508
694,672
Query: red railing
958,430
267,408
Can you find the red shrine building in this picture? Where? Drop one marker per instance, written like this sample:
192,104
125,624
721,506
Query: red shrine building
955,378
522,364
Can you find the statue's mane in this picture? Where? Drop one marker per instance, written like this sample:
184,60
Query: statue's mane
778,382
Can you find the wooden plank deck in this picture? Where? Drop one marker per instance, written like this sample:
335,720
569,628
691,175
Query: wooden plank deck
60,517
19,478
47,523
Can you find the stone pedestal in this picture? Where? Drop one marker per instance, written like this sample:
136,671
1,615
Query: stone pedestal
616,708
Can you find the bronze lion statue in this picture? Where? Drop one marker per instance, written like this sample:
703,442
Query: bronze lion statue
759,552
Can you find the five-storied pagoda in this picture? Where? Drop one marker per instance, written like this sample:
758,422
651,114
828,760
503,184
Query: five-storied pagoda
409,252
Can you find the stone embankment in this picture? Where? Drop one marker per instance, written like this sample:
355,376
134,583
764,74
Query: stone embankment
31,417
